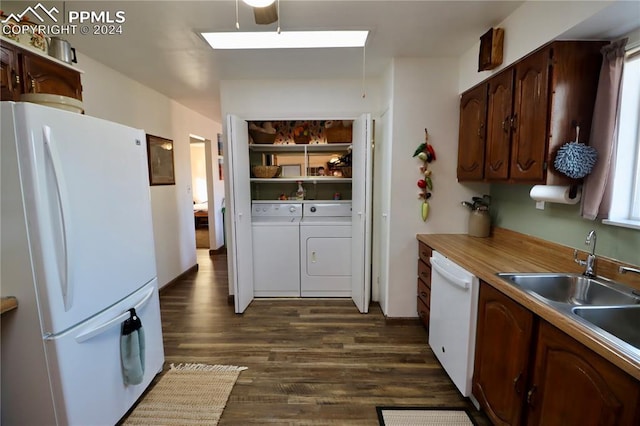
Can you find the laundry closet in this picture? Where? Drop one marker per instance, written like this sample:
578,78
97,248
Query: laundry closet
299,208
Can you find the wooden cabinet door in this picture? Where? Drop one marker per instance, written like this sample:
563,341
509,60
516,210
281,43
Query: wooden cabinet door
574,386
530,118
9,77
499,108
471,141
44,76
503,344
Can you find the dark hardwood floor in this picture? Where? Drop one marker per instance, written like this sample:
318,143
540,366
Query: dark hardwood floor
310,361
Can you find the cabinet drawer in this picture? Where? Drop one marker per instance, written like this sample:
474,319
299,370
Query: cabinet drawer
425,253
424,293
424,272
423,313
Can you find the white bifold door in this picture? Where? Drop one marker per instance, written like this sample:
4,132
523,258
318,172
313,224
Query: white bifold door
238,203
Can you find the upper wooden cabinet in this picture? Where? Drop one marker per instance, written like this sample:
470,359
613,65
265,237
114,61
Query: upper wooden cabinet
532,108
9,77
499,106
24,71
473,112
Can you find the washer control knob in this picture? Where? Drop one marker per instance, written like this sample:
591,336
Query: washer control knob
292,209
313,209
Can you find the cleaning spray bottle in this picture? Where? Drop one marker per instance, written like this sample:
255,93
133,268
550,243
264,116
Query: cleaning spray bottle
301,192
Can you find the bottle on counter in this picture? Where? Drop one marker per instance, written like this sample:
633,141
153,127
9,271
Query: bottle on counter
301,192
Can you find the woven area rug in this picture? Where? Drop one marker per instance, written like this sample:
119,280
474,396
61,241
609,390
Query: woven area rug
421,416
188,394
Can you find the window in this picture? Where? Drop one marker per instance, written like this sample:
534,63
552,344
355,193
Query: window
625,209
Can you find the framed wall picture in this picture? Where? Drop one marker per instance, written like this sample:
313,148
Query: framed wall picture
160,160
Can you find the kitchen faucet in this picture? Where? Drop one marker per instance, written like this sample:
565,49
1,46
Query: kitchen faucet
590,262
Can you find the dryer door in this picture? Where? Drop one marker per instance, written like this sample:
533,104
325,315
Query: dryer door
329,256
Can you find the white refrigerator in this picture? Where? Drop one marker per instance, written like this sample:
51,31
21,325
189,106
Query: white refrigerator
78,253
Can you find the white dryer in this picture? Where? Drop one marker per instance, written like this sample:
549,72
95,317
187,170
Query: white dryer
276,249
325,250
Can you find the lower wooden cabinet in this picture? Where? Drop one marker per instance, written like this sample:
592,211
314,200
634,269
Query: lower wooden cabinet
529,372
424,283
571,385
503,342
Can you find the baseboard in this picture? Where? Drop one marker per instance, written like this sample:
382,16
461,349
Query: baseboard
401,321
192,269
221,250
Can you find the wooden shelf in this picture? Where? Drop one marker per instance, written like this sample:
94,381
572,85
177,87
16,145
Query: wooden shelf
321,147
304,179
294,201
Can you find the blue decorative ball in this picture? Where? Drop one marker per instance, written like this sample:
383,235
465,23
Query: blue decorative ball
575,159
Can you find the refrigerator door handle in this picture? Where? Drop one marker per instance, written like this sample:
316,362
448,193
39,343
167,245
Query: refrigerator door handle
99,329
61,192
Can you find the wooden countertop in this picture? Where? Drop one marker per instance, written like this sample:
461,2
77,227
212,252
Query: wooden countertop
7,304
509,251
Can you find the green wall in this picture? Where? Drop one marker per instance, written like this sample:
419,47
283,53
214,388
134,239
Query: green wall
512,208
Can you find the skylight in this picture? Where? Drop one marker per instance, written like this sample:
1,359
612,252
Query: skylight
286,39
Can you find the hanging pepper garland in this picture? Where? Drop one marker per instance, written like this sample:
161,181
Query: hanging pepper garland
426,154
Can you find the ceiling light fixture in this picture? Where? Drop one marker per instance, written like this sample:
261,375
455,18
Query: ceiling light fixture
259,3
286,39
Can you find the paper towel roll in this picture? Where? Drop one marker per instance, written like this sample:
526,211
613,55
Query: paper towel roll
554,194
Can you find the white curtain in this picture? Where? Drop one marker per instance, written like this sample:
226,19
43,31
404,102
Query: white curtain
598,188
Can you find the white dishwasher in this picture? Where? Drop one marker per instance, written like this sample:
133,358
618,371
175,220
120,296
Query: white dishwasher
452,321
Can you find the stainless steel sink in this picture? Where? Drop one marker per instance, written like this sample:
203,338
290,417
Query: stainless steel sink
621,322
573,289
607,308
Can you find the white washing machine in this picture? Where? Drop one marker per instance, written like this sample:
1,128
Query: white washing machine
325,250
276,249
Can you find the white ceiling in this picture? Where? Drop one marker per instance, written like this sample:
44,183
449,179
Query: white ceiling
162,49
161,46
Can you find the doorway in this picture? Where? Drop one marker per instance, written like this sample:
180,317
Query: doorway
200,193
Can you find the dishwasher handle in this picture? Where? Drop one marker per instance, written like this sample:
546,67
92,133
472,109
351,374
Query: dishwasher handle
451,278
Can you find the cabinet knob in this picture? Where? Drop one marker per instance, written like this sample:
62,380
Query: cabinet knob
506,124
16,77
514,122
530,396
516,382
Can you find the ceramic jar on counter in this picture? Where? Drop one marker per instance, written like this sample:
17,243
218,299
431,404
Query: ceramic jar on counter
479,223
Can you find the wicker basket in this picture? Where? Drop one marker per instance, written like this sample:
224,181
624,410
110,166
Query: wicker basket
262,137
338,134
265,172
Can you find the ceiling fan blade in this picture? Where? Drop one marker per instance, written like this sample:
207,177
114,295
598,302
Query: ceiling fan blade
266,15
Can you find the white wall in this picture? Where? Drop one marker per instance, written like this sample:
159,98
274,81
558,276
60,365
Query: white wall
290,99
424,95
198,172
530,26
128,102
